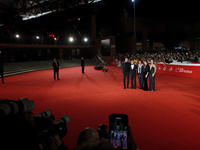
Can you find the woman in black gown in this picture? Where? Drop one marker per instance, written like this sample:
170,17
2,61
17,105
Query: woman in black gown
145,75
152,73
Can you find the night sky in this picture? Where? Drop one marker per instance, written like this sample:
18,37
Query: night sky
163,9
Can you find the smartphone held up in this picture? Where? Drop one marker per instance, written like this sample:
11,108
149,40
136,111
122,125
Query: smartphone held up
118,125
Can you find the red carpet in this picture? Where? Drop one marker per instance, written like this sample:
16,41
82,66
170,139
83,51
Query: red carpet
167,119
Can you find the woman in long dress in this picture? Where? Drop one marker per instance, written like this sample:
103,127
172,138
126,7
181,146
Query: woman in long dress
152,73
145,75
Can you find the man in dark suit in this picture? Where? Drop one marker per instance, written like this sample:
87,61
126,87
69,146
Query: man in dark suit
56,65
1,66
1,71
140,74
126,71
82,64
133,74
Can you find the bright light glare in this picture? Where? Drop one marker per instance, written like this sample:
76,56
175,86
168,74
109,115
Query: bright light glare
55,39
17,35
37,37
71,39
133,1
85,39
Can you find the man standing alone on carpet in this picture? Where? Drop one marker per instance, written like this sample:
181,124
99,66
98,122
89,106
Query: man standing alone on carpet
1,66
126,70
82,64
56,65
1,71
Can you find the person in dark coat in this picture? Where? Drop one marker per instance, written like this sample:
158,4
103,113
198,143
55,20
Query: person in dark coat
82,64
1,71
1,66
140,74
145,75
126,71
152,73
56,65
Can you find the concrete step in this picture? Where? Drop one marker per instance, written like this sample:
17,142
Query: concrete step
14,68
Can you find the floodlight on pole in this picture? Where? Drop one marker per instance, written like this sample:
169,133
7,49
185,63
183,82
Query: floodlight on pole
85,39
71,39
17,36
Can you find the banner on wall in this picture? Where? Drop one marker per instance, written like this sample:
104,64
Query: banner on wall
192,71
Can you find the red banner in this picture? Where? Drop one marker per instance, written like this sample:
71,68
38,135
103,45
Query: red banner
192,71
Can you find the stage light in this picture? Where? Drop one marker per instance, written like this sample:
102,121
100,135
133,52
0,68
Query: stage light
85,39
71,39
55,39
51,35
37,37
17,36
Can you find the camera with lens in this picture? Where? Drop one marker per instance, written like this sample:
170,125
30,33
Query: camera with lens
16,107
57,128
47,113
103,131
44,122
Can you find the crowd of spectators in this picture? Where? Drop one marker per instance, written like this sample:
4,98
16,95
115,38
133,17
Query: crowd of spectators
163,57
20,129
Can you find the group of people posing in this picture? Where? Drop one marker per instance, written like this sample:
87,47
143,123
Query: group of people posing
143,70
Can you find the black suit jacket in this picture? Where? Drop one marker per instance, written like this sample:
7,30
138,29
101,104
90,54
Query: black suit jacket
1,66
126,67
133,71
56,66
82,62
